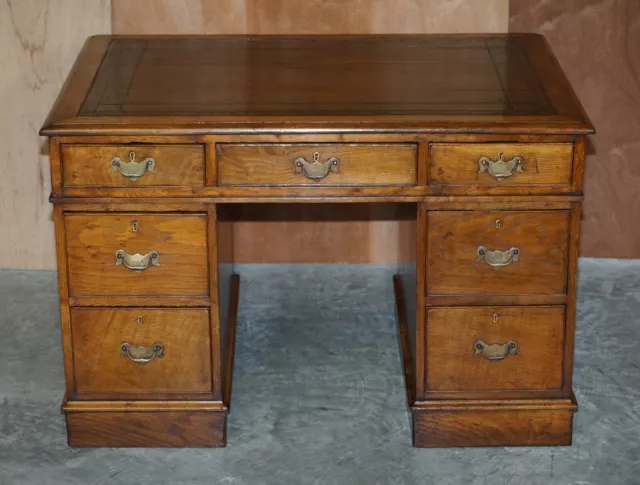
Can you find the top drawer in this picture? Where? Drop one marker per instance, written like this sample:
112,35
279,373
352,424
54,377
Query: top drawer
132,165
317,164
490,164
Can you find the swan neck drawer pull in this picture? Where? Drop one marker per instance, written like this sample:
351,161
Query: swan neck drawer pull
141,355
500,169
495,351
137,262
316,170
133,170
498,259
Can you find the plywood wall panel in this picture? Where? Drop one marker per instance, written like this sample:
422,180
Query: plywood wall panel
310,234
598,45
323,233
39,40
308,16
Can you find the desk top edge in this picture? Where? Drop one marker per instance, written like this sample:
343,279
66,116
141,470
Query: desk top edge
67,118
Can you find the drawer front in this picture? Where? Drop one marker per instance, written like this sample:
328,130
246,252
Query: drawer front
320,164
141,350
494,348
132,165
497,253
136,254
500,164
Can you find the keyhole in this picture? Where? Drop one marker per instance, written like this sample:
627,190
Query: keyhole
495,318
139,320
132,156
498,223
135,225
316,156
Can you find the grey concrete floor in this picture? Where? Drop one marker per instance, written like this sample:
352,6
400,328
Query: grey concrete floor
318,391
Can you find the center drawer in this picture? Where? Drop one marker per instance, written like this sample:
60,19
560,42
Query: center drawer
141,350
137,254
317,164
497,252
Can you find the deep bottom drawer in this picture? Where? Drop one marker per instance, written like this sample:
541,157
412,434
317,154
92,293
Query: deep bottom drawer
494,348
139,350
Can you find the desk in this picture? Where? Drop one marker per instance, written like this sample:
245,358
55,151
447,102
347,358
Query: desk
154,138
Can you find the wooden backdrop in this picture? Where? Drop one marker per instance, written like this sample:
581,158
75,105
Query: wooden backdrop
308,16
356,233
597,42
39,40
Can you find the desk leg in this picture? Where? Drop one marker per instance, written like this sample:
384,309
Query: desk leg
230,344
405,343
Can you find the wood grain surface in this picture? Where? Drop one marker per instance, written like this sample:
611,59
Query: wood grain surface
362,164
323,233
39,40
453,365
314,17
91,165
180,240
453,238
493,428
134,428
100,365
542,164
597,43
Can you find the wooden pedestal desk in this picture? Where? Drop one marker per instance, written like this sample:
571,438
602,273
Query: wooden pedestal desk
153,138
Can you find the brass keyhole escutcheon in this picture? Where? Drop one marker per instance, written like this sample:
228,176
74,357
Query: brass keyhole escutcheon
139,320
495,317
135,225
498,223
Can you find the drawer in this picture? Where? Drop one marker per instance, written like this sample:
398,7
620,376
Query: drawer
135,254
141,350
319,164
500,164
497,253
494,348
132,165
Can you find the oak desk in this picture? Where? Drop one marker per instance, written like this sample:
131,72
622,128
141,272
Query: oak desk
152,138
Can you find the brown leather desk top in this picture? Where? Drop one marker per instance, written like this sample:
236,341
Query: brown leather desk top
347,83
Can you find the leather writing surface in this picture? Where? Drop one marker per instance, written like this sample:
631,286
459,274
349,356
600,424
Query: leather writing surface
258,76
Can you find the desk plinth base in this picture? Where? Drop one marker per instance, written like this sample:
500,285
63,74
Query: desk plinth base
542,422
169,427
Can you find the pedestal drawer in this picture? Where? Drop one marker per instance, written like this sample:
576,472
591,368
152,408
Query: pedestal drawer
313,164
137,254
138,350
132,165
497,253
488,164
494,348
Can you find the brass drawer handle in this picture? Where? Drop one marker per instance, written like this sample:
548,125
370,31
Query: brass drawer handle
137,262
317,170
142,355
495,351
133,170
498,259
500,169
